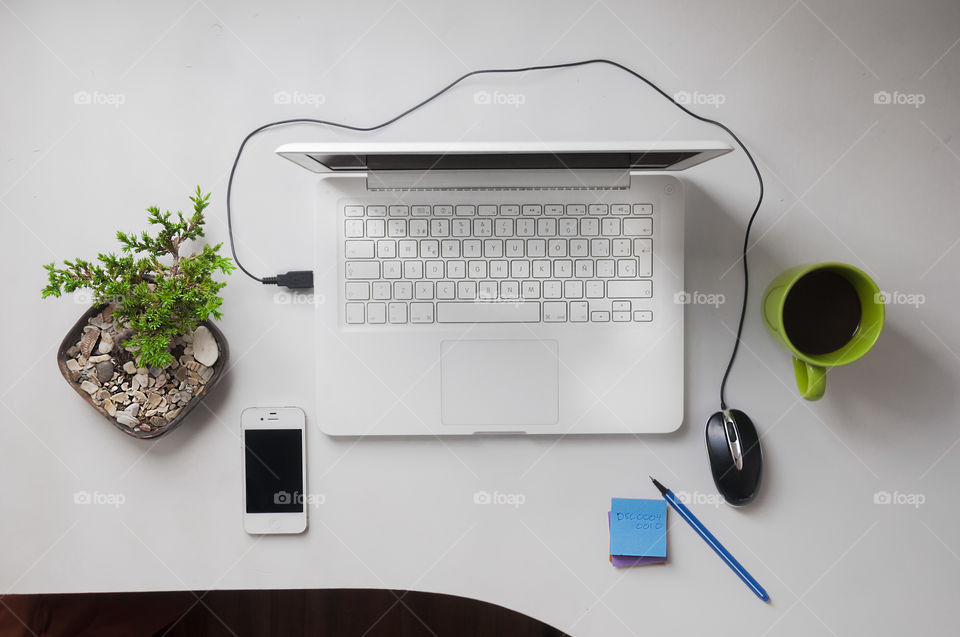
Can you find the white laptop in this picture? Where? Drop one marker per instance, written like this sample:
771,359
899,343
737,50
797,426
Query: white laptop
494,288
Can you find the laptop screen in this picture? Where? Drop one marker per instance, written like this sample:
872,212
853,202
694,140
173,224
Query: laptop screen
650,160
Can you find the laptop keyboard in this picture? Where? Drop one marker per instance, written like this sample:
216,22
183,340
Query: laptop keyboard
498,263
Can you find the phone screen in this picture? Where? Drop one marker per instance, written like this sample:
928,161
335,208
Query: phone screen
274,467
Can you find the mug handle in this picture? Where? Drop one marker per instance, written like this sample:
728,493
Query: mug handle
811,379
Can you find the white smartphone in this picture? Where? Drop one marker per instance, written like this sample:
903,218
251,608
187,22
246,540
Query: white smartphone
274,470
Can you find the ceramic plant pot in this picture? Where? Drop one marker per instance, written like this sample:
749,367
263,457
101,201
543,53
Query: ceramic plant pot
118,357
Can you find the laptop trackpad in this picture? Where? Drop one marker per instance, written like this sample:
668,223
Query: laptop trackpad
487,382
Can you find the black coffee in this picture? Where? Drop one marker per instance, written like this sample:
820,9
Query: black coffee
821,313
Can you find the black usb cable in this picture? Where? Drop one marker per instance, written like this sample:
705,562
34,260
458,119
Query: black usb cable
299,279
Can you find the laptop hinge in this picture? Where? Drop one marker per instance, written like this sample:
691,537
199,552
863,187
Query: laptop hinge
499,180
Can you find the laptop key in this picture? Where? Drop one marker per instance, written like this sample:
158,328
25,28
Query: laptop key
387,249
446,290
391,270
423,290
554,311
421,312
472,248
552,290
403,290
578,247
514,247
477,269
434,269
643,249
488,290
626,268
578,312
519,312
461,227
359,249
503,228
397,228
376,228
408,249
637,289
418,228
362,270
467,290
595,290
536,247
634,227
382,290
621,247
353,228
398,313
354,313
357,291
377,313
450,248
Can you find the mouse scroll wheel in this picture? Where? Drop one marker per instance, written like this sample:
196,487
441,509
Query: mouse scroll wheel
731,432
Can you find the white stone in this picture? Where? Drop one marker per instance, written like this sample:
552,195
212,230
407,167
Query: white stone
126,419
205,350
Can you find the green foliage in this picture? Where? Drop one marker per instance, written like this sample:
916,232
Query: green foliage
158,292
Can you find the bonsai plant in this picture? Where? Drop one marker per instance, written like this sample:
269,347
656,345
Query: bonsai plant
146,352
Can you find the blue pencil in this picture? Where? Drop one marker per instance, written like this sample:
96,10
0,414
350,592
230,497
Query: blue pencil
707,536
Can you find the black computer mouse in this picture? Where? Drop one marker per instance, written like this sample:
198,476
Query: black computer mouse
735,457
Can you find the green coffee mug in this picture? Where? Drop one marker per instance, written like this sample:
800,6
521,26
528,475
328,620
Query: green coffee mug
812,313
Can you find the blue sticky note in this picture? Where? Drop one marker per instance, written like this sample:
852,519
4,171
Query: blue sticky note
638,527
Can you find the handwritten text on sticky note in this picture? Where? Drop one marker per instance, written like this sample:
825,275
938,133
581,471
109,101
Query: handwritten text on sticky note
638,527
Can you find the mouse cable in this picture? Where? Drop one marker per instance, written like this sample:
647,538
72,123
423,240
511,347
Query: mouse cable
304,278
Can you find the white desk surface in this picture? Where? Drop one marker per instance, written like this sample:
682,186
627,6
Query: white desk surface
872,184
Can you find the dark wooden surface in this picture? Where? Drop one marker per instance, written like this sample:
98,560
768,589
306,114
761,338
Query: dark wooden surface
367,613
